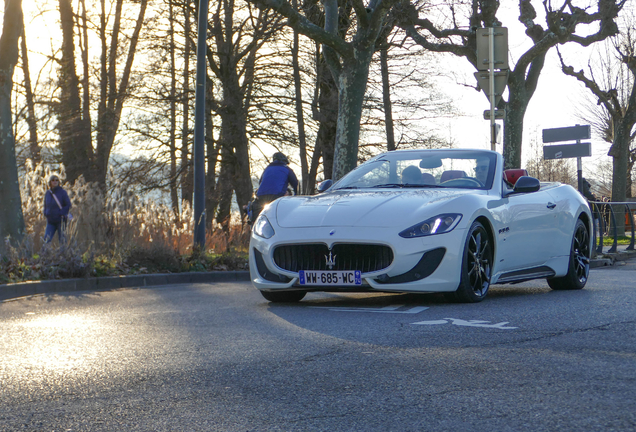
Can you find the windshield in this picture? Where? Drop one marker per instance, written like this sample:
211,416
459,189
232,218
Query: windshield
470,169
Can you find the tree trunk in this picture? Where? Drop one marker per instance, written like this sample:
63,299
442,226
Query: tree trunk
86,102
174,196
513,122
352,84
235,105
300,119
186,172
34,147
386,97
620,161
224,188
325,111
212,153
234,131
75,133
11,217
513,131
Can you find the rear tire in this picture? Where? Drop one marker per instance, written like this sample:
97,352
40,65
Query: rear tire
283,296
579,265
476,266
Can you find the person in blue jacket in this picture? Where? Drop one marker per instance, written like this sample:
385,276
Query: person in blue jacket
274,183
56,208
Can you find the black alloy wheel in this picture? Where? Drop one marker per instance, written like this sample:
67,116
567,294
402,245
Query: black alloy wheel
476,266
579,265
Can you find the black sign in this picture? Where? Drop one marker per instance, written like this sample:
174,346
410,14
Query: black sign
572,133
564,151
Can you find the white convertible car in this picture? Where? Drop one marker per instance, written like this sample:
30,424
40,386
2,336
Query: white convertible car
450,221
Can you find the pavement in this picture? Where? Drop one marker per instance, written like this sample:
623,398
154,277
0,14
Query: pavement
606,259
24,289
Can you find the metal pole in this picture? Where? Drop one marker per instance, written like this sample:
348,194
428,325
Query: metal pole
199,130
579,172
615,244
579,169
631,223
601,228
491,77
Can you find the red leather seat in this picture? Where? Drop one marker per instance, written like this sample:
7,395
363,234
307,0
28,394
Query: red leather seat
451,174
512,175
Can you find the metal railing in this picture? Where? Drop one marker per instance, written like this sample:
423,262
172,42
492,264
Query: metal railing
599,211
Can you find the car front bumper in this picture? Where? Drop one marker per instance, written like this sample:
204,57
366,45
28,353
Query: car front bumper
407,254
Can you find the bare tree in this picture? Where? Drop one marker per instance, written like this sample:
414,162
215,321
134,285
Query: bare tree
348,59
74,106
613,84
34,146
456,37
238,34
616,95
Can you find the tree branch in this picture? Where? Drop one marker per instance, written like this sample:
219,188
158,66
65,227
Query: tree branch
303,26
603,96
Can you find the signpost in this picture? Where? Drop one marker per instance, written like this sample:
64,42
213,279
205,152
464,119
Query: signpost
564,151
492,53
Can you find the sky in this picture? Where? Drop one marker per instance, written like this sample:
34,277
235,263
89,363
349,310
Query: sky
555,104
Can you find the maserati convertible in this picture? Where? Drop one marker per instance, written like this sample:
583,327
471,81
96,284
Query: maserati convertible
451,221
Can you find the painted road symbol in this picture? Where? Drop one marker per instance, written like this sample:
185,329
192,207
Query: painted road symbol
467,323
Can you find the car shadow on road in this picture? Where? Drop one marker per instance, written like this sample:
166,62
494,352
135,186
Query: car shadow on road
509,314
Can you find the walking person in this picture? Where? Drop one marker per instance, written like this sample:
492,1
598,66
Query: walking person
274,182
56,207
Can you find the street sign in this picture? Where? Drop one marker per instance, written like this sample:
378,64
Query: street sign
499,114
572,133
564,151
501,79
500,48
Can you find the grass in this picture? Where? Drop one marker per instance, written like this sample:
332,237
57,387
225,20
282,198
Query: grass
115,233
621,240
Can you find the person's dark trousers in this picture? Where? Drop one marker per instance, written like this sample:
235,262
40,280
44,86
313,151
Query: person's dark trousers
259,203
51,229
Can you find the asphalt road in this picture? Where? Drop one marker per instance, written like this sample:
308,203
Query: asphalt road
220,358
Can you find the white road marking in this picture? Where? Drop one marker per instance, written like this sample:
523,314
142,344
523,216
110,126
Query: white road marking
393,309
469,323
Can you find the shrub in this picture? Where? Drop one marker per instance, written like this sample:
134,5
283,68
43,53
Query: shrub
153,258
114,232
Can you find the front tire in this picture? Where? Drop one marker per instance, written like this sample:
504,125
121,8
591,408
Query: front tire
283,296
579,265
476,266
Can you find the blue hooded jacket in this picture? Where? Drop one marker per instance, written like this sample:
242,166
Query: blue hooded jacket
53,212
275,179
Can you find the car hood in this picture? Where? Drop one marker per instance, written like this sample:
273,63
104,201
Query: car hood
387,208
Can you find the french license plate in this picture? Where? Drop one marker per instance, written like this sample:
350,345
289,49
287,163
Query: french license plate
336,278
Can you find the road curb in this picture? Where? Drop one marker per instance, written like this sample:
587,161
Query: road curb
609,259
24,289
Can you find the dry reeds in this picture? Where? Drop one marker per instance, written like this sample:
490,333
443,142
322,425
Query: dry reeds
114,225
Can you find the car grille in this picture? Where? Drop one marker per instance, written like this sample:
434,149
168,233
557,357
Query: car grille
363,257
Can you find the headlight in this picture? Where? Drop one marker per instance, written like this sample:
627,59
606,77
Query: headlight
263,228
436,225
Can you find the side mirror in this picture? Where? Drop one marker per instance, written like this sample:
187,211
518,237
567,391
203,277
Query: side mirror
324,185
526,184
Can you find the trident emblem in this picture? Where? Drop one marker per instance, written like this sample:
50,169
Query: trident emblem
331,261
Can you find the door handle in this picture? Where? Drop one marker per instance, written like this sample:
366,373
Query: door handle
551,205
